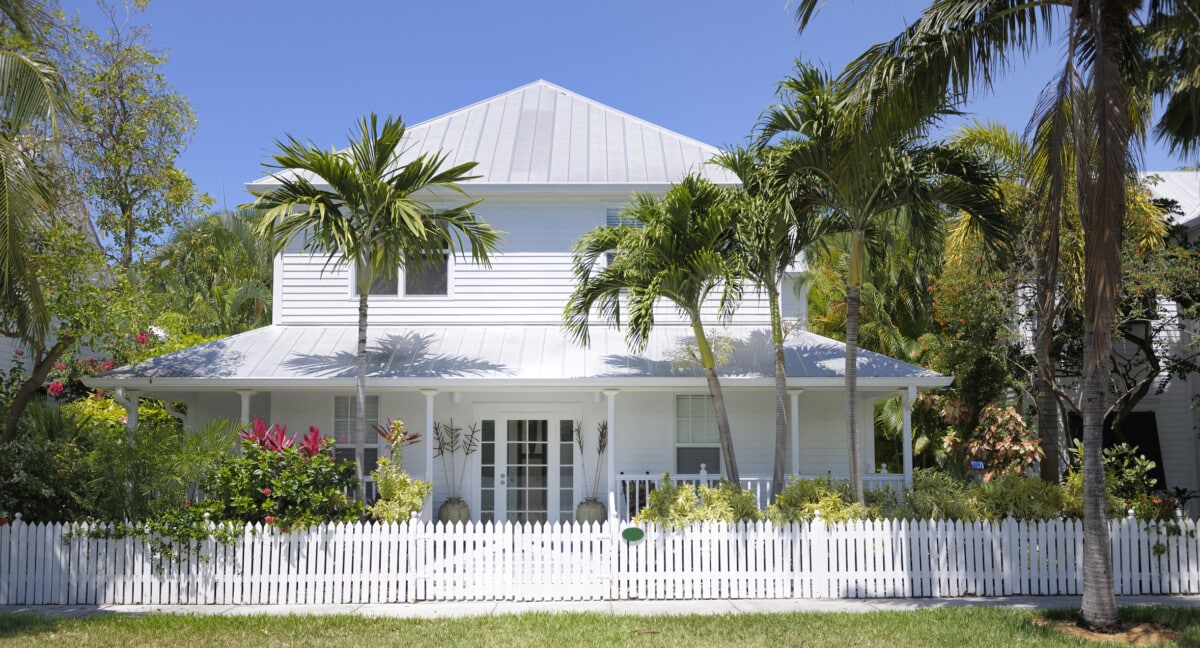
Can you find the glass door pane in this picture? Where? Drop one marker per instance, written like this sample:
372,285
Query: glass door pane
528,471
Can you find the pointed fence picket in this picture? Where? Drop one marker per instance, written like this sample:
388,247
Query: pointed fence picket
415,561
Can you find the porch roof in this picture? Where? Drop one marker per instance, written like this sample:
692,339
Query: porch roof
312,357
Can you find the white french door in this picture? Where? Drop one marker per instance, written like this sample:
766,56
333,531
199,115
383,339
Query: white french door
527,466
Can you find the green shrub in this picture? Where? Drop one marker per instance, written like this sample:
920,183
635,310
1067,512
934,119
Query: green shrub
670,505
1072,498
279,483
935,495
1020,497
802,499
728,502
673,505
399,495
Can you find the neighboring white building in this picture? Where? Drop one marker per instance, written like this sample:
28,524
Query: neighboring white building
1173,414
485,346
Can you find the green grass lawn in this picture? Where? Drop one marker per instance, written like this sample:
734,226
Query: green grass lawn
955,627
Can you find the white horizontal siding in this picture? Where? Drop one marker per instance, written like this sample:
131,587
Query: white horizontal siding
528,283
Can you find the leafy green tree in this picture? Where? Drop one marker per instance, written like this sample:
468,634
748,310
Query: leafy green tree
772,229
1095,108
361,207
131,126
861,189
683,253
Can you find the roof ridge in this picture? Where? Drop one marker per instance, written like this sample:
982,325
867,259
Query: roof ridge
576,95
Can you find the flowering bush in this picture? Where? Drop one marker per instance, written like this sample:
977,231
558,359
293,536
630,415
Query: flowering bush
279,483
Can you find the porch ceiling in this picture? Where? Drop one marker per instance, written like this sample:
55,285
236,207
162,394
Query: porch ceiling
299,357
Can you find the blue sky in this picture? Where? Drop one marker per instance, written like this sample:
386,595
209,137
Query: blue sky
255,70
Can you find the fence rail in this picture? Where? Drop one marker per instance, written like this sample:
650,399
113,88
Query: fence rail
419,561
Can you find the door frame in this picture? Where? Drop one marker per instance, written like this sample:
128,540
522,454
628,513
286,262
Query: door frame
503,412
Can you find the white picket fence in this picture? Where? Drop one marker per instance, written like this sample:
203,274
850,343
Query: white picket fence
420,561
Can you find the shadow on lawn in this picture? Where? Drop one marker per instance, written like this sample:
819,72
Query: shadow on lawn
1183,620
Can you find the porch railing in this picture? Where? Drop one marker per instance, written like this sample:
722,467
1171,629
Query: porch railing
633,491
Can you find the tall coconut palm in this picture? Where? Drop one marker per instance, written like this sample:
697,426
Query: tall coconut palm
362,207
1094,107
681,253
863,186
773,228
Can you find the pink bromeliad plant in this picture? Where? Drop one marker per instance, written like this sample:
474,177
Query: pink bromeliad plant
275,438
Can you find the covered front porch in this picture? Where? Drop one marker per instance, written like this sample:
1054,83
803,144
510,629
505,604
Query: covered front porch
526,398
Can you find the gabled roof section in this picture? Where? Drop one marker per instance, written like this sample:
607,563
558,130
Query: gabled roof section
499,357
543,134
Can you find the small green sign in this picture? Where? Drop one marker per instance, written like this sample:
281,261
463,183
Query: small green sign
633,534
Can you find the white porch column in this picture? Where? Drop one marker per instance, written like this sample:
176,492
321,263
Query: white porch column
128,399
429,395
611,396
907,402
246,394
795,415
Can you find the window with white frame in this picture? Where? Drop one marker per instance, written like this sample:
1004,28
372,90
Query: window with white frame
614,218
345,410
696,438
428,276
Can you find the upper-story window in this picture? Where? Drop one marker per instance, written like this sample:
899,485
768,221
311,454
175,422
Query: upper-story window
431,277
614,218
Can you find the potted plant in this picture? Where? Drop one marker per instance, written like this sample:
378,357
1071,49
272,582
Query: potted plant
450,443
591,509
400,496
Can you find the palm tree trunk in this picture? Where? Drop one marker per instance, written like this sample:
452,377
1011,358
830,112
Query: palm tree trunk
780,393
1046,311
853,306
360,414
718,398
1102,207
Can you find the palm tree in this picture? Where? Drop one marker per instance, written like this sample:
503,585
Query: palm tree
216,272
361,207
32,95
1095,107
862,189
773,229
683,253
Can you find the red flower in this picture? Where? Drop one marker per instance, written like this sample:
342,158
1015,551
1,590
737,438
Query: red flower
18,353
269,519
267,492
3,521
187,503
141,338
312,442
55,389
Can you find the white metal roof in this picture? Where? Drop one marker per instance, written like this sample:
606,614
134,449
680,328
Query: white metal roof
497,357
542,134
1184,188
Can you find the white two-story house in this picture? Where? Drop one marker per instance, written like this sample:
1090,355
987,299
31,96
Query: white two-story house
484,347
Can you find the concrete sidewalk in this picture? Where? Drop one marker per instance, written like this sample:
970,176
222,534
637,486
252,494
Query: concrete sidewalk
434,610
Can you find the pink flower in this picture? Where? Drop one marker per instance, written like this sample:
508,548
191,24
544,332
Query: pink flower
267,492
55,389
60,365
99,393
18,353
141,338
269,519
